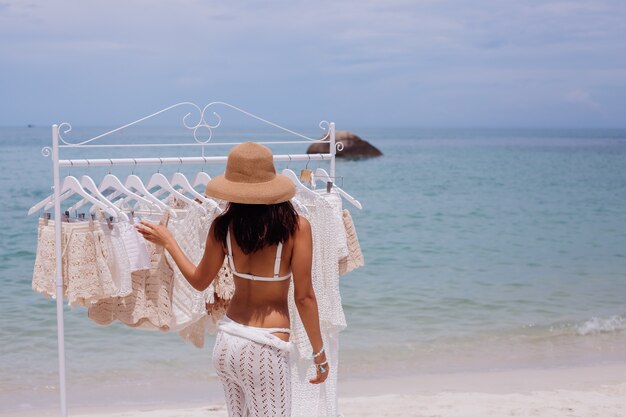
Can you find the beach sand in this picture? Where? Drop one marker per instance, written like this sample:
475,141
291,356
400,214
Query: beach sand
586,391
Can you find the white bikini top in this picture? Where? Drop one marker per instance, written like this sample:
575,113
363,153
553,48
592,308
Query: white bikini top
279,250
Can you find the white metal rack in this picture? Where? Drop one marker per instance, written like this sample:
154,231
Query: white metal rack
59,143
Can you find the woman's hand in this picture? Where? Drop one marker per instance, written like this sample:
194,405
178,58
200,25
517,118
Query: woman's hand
321,365
156,233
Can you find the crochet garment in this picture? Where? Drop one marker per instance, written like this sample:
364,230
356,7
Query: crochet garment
135,245
335,201
149,305
319,400
188,304
117,258
84,255
354,258
223,287
253,366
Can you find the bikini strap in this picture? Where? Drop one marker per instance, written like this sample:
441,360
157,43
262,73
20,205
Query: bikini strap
279,251
231,262
230,252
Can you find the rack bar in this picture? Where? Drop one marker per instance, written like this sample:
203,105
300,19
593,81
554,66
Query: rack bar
188,160
164,145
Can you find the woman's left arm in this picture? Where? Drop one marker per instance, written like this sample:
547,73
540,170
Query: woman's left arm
201,276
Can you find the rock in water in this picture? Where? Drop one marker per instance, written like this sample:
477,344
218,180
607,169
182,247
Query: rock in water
353,146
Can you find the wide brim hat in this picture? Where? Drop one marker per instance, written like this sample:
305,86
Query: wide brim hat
250,178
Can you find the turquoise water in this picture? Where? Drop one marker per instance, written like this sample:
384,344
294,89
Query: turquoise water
484,248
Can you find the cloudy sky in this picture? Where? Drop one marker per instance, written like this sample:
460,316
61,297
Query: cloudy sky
358,62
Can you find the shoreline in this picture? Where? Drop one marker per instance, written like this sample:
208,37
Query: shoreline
568,391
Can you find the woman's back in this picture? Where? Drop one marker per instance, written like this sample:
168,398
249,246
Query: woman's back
261,284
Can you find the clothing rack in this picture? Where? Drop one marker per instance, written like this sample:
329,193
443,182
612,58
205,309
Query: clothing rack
59,143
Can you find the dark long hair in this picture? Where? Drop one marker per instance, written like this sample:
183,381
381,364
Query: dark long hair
255,226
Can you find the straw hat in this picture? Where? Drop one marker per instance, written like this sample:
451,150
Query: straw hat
250,178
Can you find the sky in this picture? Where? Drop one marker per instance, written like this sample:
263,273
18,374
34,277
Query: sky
499,63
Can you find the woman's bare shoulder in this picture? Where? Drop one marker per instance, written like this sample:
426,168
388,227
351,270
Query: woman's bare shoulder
303,225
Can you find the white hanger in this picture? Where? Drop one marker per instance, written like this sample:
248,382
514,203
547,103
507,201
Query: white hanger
43,204
134,183
202,178
112,182
69,187
159,180
321,174
87,182
179,179
294,178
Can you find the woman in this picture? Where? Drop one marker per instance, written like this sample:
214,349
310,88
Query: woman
266,243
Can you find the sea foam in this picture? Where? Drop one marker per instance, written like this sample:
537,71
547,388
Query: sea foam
597,325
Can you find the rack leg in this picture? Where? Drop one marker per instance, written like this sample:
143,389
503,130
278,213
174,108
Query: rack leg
59,270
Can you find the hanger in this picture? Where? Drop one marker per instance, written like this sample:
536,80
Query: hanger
69,187
110,181
321,174
133,182
294,178
44,204
159,180
179,179
202,178
87,182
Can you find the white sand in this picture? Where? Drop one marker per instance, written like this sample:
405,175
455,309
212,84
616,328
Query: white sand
596,391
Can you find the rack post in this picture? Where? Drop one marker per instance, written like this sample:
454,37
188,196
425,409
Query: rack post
59,270
333,151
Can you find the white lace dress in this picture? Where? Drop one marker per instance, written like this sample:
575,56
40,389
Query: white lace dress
309,400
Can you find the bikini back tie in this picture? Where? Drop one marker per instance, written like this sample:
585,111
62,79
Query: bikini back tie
276,277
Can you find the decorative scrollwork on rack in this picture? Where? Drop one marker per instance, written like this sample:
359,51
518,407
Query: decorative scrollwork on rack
63,129
254,116
325,126
339,146
201,125
46,151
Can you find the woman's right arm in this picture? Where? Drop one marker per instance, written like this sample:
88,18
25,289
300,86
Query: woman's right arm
201,276
301,263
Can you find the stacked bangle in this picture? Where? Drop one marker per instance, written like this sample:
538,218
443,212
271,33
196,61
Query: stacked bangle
315,355
321,366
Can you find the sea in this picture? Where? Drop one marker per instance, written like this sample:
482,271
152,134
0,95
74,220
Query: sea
485,249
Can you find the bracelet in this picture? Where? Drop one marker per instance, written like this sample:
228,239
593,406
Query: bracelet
321,366
315,355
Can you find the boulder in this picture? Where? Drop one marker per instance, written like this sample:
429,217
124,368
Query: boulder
353,146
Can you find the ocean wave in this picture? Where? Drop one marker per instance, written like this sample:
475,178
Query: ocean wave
597,325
